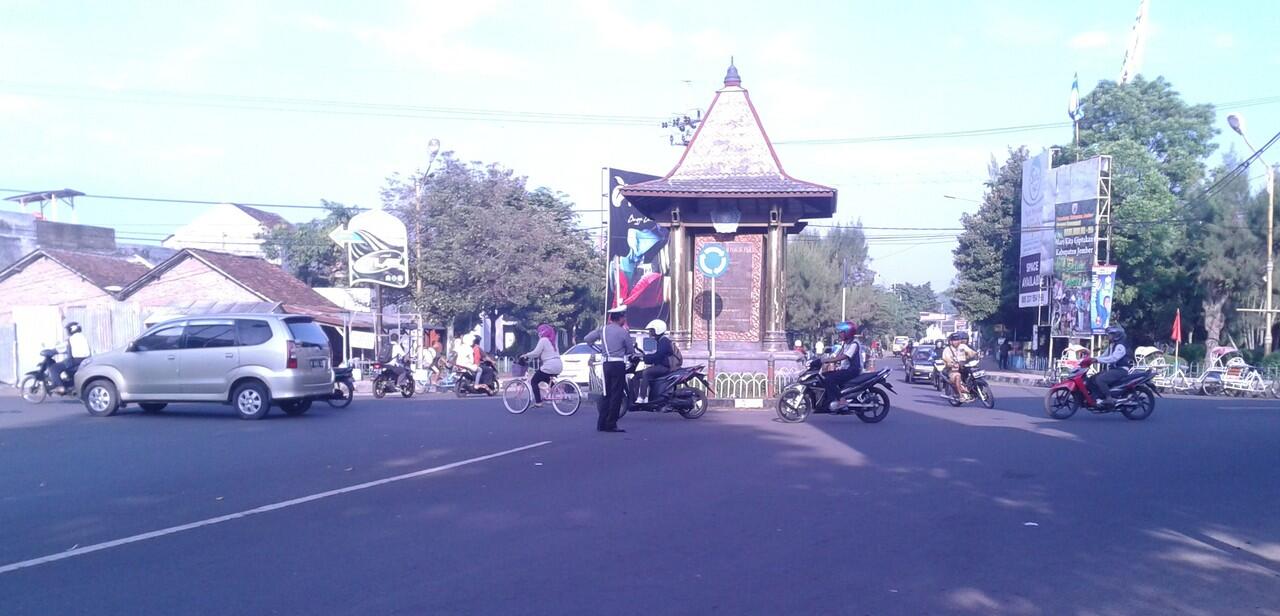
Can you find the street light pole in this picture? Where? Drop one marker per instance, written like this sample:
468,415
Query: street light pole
1237,124
433,149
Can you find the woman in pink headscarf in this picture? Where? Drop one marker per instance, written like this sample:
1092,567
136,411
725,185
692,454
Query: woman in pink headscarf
549,360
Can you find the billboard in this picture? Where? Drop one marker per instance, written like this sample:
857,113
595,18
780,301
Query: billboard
1036,237
637,252
1075,234
377,249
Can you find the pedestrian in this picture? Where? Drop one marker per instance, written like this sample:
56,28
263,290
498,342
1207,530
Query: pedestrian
618,346
1005,348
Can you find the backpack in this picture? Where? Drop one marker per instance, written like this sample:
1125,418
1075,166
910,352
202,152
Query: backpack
676,360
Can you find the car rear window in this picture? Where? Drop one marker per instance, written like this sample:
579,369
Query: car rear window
923,354
307,333
253,333
578,349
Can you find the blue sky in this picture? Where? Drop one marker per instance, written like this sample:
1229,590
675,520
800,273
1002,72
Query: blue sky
96,96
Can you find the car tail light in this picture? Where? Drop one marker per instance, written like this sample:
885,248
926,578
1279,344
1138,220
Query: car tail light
293,356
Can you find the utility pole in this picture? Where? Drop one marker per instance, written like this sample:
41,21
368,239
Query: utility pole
1236,121
433,149
684,126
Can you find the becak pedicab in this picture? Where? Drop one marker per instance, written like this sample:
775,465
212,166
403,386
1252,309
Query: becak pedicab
1228,373
1168,375
1070,360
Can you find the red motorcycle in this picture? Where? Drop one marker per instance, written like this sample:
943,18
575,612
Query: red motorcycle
1134,396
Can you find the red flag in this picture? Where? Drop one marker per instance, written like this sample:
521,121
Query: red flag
1177,326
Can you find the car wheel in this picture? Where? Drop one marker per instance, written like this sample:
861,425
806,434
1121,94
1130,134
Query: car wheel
295,407
101,398
252,400
152,407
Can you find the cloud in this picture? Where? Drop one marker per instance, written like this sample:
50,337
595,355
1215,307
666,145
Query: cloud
434,36
1092,39
14,104
618,30
1224,40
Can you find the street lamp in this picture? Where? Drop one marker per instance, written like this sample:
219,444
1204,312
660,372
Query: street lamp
1236,121
433,150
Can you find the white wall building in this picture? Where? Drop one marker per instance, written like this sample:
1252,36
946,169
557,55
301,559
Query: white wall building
227,228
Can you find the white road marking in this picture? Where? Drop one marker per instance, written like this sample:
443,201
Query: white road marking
263,509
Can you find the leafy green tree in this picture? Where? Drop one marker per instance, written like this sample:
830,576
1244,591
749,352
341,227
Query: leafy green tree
1151,114
306,251
915,299
986,255
490,246
1229,250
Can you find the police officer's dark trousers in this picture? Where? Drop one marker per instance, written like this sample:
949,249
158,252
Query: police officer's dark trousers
615,391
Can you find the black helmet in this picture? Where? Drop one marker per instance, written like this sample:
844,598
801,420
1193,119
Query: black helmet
961,336
73,328
1115,333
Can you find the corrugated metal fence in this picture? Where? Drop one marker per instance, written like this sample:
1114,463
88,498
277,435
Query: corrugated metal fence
108,326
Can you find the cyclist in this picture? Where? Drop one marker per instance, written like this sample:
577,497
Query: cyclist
548,357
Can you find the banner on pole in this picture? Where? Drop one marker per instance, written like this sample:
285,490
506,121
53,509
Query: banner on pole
637,252
1104,282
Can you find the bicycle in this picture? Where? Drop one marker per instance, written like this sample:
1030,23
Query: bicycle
565,396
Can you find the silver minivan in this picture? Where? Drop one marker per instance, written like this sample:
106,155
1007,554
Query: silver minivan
247,360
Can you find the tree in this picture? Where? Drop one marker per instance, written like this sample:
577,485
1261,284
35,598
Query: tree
1152,115
915,299
1229,251
306,251
492,247
986,255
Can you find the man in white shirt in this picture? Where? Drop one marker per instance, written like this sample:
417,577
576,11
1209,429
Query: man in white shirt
77,351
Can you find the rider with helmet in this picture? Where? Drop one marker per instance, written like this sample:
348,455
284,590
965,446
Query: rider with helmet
849,358
77,351
658,363
955,356
1118,360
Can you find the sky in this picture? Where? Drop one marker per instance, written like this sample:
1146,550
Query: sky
291,102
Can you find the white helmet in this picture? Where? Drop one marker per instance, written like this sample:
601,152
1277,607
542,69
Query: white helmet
657,326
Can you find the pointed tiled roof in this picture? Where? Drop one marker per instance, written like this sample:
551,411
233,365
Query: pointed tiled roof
268,219
730,155
103,271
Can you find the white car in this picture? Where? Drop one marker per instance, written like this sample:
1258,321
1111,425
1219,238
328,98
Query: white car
579,360
576,361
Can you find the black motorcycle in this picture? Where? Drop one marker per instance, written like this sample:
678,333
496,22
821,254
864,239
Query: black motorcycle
975,381
671,393
344,388
864,396
466,380
38,384
392,378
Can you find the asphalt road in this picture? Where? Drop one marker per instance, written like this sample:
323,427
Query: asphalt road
934,511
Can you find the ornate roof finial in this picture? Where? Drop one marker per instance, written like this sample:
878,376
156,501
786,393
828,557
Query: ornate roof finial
731,78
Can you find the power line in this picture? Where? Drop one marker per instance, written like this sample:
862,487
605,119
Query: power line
189,201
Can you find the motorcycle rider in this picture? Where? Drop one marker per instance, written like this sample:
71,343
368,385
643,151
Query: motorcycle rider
955,356
77,351
849,358
658,363
1118,360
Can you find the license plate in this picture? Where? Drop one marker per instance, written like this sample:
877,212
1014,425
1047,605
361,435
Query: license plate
979,374
319,363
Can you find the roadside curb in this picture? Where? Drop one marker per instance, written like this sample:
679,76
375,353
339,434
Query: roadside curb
1017,379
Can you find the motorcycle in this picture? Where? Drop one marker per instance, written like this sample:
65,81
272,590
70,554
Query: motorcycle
392,378
344,388
466,380
39,383
671,393
975,381
864,395
1135,397
939,374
